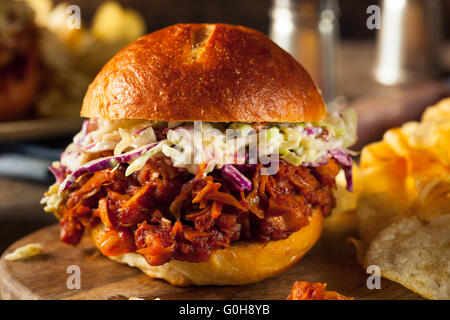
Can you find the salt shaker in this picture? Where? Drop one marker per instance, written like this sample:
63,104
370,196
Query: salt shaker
408,42
308,30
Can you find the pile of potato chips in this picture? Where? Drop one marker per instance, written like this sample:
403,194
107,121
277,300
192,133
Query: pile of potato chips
403,205
73,55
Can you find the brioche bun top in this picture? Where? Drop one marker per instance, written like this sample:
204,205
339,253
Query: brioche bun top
207,72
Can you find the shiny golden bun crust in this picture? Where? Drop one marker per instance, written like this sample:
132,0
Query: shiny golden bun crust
208,72
243,262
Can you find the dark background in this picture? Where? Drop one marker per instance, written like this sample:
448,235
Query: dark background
250,13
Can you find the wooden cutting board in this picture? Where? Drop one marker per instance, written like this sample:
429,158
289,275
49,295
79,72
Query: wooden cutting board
45,277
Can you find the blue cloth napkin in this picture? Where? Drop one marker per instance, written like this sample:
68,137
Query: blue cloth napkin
28,161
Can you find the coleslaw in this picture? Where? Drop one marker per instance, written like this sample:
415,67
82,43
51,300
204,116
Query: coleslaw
218,145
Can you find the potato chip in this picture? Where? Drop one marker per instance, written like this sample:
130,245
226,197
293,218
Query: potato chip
396,141
429,139
113,23
388,176
378,210
41,9
75,55
420,135
376,153
404,184
432,134
434,199
439,112
407,158
57,22
415,254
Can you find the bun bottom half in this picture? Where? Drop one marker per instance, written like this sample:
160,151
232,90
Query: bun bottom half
241,263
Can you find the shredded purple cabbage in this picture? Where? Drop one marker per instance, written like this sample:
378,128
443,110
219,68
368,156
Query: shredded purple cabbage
101,164
140,131
313,130
245,168
344,159
325,135
59,173
348,177
236,178
84,131
320,162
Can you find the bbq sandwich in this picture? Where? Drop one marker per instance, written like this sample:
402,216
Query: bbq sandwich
207,157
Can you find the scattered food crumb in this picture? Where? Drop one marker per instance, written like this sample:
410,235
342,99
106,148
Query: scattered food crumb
29,250
95,255
303,290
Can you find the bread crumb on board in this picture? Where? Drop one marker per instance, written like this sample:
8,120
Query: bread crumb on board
24,252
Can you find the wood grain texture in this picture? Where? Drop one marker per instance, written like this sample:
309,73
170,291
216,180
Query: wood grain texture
44,277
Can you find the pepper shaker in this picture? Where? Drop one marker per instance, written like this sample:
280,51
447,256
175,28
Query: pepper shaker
308,30
408,42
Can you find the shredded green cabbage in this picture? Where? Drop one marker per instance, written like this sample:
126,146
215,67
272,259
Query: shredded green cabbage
296,143
140,162
51,199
